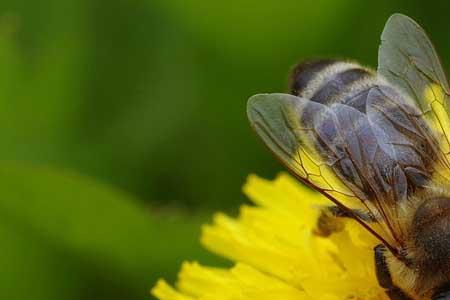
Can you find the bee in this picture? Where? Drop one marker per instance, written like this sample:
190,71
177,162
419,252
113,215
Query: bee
377,144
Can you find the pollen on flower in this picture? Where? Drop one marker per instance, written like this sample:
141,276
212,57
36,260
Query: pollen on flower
277,254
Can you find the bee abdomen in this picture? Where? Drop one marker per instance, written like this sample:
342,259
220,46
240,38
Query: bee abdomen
305,72
330,81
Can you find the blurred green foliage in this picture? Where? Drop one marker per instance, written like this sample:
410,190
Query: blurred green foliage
67,237
147,96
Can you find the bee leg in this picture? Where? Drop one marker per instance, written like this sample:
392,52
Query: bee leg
338,212
330,219
384,275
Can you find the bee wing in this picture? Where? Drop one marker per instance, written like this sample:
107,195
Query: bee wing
408,60
332,149
404,135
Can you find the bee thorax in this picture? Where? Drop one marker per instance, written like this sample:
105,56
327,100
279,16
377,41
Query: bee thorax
431,237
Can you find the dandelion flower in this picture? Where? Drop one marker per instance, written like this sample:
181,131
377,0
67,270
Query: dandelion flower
276,253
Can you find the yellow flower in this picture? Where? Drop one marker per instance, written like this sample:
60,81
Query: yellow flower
277,254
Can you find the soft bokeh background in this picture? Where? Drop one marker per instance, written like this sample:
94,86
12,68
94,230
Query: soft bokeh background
123,126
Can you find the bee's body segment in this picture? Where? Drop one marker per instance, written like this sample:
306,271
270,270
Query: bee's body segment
333,82
377,144
354,87
429,241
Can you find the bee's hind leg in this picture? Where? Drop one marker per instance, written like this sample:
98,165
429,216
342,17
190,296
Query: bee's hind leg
330,219
384,275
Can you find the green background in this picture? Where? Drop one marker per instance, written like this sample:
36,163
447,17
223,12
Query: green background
123,126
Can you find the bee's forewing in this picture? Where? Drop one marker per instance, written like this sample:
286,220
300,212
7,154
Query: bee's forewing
287,125
408,60
399,128
332,149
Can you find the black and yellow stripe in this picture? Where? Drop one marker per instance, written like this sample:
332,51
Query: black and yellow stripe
332,81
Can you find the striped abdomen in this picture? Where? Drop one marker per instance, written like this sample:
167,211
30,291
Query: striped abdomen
330,81
337,82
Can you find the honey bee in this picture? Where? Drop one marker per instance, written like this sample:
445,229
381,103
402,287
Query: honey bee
377,144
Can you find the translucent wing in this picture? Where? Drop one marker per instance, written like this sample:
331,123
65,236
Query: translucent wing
407,59
404,135
332,149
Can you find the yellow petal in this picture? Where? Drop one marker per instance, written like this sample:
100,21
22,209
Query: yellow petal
277,254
